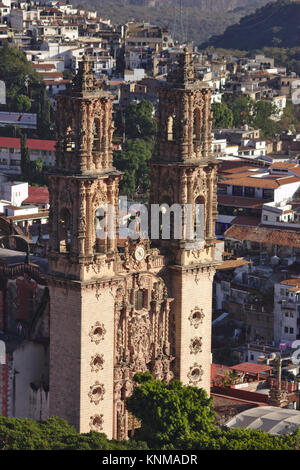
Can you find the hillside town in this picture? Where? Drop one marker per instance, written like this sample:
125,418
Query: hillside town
256,285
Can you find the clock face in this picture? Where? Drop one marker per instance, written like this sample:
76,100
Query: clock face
139,253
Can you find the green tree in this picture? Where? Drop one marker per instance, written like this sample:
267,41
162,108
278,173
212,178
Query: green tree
133,162
170,412
19,75
25,157
139,122
22,104
262,112
43,117
241,107
55,434
223,116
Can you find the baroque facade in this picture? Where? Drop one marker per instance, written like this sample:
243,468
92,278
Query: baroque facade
115,312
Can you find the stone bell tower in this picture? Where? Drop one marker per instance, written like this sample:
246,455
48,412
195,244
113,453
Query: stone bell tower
82,184
183,172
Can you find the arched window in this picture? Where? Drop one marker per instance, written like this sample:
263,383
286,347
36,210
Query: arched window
199,219
197,123
100,223
71,136
96,134
139,299
171,127
64,231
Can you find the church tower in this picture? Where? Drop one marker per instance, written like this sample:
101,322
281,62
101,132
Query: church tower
183,173
82,185
145,305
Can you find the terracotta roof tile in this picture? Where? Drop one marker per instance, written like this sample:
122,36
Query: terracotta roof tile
34,144
239,201
264,235
232,264
246,220
266,183
291,282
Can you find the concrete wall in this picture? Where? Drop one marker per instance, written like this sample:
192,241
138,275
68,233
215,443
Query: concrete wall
31,364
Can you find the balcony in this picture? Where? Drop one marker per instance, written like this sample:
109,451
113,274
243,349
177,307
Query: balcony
288,304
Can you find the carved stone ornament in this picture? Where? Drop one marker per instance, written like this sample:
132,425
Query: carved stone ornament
195,374
97,332
143,282
196,317
96,393
96,423
196,345
97,362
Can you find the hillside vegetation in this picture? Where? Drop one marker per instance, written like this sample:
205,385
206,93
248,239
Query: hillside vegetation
201,18
274,25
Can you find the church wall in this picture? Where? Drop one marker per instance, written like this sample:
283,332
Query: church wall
192,329
65,353
97,360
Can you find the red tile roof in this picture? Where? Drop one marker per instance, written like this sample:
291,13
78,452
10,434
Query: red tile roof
291,282
239,201
264,235
44,66
232,264
37,195
251,367
266,183
246,220
34,144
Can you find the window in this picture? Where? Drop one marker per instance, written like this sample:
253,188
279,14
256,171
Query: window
237,190
266,217
268,193
139,299
291,330
286,330
249,192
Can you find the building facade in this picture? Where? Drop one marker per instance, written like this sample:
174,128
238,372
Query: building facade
148,306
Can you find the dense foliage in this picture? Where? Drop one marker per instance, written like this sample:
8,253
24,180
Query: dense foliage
222,116
140,130
274,25
238,109
54,434
19,76
25,89
173,416
170,412
32,171
181,417
132,161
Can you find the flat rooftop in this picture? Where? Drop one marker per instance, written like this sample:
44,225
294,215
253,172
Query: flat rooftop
11,257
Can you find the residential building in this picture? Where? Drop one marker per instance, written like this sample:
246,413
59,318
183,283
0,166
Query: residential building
287,311
10,153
